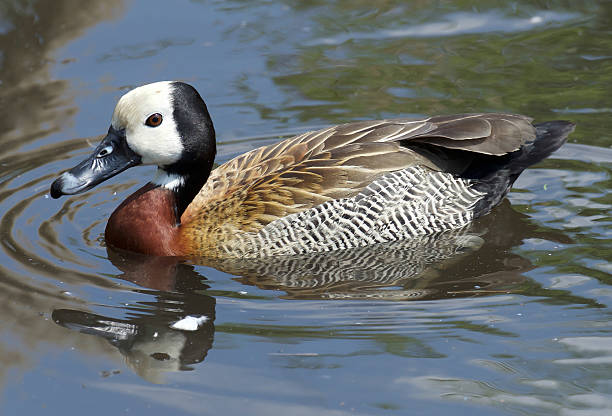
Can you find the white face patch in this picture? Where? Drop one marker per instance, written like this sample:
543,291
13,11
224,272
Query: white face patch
159,145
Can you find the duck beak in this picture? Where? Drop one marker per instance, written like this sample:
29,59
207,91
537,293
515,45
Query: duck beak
111,157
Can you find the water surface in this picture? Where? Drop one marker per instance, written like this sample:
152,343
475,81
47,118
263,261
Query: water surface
508,316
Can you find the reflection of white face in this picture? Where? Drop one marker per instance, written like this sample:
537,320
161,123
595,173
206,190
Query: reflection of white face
159,145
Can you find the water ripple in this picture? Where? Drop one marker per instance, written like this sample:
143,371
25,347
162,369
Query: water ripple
455,24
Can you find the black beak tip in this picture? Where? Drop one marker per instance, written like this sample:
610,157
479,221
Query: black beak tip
56,188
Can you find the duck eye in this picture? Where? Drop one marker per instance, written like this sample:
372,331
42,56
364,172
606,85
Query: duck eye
154,120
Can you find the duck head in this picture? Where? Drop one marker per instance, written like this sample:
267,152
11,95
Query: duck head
165,124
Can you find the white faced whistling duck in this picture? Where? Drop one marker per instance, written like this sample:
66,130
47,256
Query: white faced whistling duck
345,186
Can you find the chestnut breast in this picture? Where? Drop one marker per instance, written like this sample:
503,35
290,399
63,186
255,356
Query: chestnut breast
146,223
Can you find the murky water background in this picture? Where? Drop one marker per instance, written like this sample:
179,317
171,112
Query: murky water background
510,316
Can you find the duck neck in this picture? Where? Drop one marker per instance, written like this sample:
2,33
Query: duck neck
148,221
184,186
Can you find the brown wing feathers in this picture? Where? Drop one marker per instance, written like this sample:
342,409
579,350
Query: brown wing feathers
274,181
493,134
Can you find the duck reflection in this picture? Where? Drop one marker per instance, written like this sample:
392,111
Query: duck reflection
171,333
176,330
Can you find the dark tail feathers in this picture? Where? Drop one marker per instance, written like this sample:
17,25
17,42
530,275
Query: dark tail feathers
496,176
550,136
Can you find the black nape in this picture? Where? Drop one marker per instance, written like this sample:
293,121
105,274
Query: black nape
197,136
194,126
185,193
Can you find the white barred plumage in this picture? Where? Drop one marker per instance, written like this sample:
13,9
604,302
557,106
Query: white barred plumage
402,204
